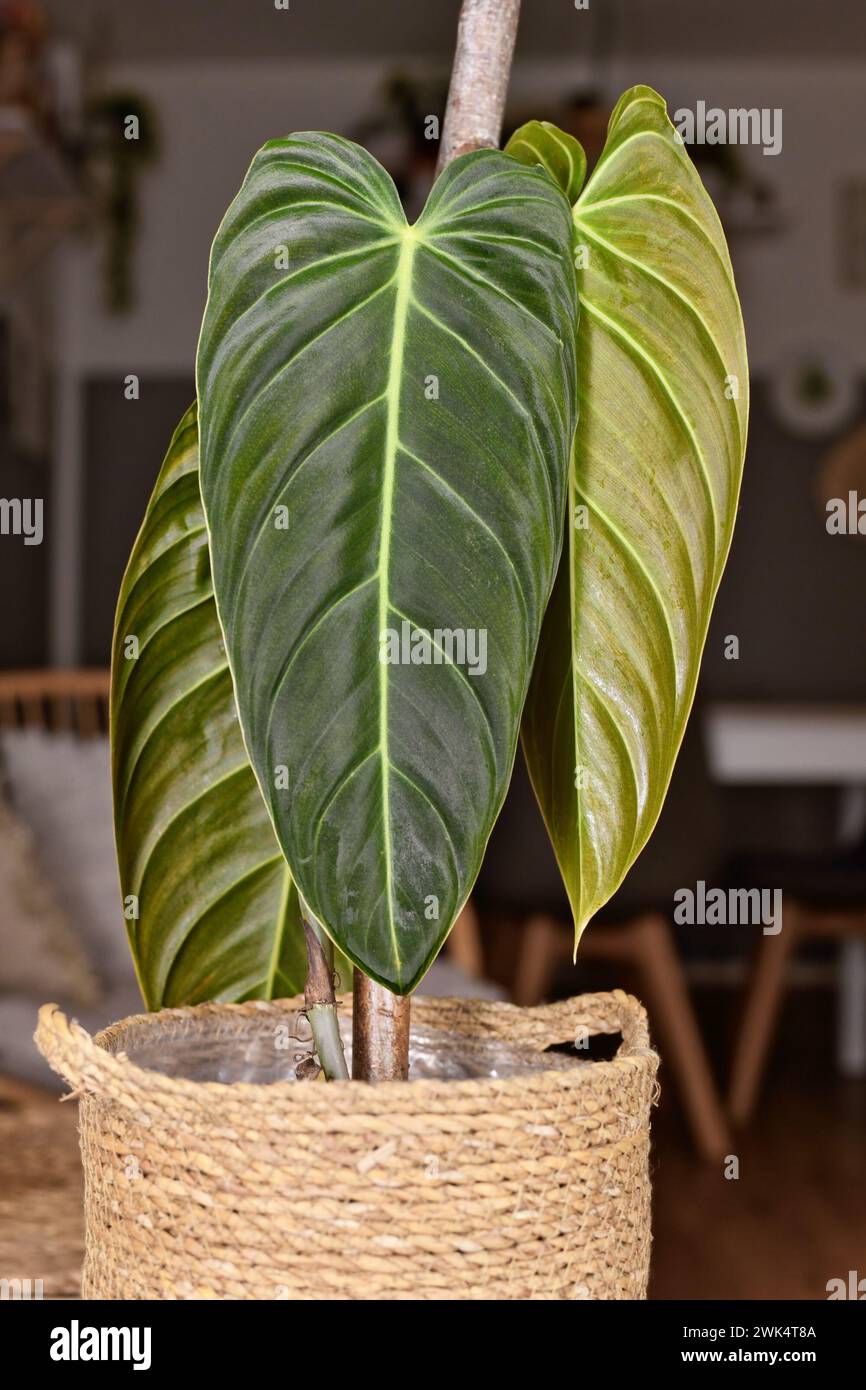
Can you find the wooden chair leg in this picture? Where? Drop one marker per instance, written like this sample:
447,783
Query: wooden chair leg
542,939
760,1013
464,942
682,1046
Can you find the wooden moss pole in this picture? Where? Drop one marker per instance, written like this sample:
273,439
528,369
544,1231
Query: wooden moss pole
486,32
380,1032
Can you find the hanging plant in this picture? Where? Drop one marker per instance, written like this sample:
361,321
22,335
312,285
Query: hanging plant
121,141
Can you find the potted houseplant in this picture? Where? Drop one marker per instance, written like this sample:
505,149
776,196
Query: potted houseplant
441,481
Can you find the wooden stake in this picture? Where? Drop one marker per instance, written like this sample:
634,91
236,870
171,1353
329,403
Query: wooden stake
486,33
380,1032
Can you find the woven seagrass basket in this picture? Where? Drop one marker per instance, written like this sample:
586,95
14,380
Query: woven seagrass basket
529,1186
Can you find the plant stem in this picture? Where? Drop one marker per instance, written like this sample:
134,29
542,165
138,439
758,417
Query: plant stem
486,33
380,1031
321,1006
479,78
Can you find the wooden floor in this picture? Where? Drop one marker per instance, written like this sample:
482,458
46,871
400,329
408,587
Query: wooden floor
796,1216
41,1189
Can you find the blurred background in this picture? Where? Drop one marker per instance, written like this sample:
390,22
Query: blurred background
760,1134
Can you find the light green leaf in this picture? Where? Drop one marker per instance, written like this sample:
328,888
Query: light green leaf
385,416
654,482
217,910
539,142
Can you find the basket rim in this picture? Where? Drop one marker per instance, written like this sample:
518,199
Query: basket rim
83,1059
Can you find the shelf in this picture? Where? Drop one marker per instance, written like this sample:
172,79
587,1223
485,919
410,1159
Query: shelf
40,199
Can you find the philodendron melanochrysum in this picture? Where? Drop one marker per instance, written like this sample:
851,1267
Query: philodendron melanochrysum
654,478
388,464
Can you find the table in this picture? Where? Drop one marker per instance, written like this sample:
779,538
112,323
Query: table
766,744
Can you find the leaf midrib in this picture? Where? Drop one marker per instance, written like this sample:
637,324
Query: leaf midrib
403,280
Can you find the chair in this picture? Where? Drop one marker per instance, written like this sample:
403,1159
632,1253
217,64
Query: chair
55,699
78,700
823,897
520,878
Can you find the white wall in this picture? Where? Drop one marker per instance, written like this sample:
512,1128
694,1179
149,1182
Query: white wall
215,115
789,282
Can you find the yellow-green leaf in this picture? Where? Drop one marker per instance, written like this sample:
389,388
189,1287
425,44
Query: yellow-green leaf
210,906
654,481
540,142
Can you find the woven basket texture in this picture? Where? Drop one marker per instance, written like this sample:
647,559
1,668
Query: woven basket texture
534,1186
